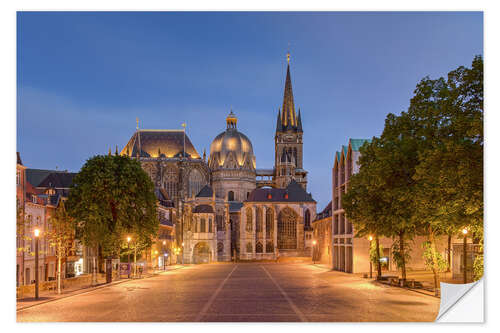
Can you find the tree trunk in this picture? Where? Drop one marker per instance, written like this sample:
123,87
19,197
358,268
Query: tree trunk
434,261
402,254
449,253
379,265
59,267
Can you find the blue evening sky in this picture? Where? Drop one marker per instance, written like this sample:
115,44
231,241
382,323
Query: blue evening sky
83,78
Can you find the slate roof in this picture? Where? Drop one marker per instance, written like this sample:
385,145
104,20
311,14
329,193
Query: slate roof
295,194
36,176
169,143
58,180
163,199
205,192
326,212
203,209
235,206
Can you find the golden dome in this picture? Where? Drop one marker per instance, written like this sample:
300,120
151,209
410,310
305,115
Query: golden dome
231,149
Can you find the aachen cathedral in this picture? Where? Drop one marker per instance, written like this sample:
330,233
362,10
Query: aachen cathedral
222,207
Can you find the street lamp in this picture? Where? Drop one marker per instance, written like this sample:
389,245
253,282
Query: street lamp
370,238
128,250
182,255
163,249
314,252
37,234
464,232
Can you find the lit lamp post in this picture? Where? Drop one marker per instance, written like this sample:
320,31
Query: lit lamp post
464,232
182,255
37,234
314,252
128,250
370,238
164,256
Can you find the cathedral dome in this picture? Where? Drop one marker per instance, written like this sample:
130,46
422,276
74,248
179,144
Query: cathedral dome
231,149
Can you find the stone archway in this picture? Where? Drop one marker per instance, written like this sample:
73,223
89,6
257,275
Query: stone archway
201,253
287,229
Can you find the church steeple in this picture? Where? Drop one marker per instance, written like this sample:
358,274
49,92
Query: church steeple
288,115
288,146
279,127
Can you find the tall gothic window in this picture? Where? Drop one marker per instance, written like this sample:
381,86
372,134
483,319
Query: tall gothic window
307,219
287,229
269,247
258,247
269,222
230,196
249,219
220,248
195,182
218,220
202,225
170,182
258,219
209,224
249,247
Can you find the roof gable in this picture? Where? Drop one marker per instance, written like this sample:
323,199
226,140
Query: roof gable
357,143
205,192
292,193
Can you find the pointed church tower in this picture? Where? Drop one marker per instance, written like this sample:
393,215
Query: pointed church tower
288,140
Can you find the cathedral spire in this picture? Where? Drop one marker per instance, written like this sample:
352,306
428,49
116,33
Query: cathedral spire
289,117
279,128
299,123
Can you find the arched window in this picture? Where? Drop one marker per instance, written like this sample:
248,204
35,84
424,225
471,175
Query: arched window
230,196
248,194
195,182
258,219
220,248
249,247
202,225
209,224
307,219
218,220
287,229
269,222
258,247
170,182
269,247
249,227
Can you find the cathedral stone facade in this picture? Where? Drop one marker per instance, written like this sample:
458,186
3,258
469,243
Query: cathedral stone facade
225,208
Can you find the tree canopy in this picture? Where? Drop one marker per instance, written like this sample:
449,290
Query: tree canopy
424,174
112,197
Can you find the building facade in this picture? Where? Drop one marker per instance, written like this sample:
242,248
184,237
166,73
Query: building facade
20,230
351,253
211,198
322,234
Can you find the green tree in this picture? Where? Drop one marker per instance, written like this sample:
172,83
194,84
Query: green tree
60,235
113,197
362,201
447,117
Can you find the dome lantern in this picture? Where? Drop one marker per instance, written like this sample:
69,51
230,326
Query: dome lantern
231,149
231,120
